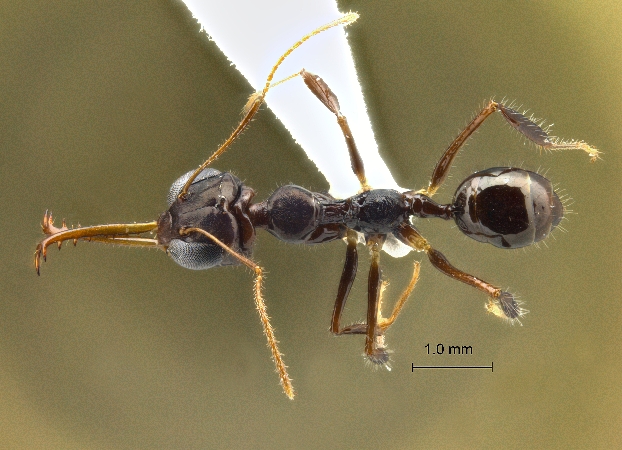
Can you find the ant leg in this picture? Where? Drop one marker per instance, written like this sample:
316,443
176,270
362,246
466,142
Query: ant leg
384,324
374,342
500,303
108,234
281,368
256,100
525,126
374,339
321,90
347,278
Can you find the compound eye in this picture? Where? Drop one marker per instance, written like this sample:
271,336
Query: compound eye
178,185
196,255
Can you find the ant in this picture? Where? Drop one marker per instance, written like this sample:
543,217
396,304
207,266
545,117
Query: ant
211,220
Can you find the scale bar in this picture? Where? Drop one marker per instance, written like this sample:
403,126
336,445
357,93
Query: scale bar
454,367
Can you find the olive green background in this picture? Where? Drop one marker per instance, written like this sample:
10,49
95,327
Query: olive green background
104,105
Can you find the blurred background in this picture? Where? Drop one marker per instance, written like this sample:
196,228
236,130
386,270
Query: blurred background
104,105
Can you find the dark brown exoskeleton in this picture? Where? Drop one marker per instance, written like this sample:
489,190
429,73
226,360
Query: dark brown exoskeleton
211,221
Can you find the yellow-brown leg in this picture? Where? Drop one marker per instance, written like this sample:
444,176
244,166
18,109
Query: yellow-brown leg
501,303
524,125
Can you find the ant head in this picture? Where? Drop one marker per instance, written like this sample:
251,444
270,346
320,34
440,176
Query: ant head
507,207
206,206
